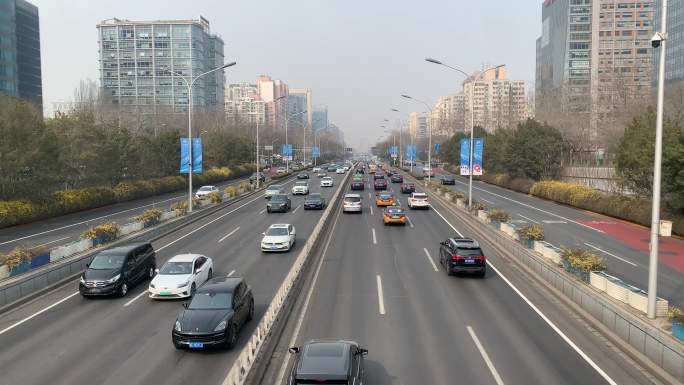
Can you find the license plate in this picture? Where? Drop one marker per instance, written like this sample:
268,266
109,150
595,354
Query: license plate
274,247
165,293
396,217
196,345
469,261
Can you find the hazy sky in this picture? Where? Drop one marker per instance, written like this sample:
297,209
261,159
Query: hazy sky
356,56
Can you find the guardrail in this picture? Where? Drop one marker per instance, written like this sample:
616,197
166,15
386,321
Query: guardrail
67,261
653,342
247,357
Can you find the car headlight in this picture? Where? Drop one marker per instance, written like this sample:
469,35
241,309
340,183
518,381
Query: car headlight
184,284
152,286
221,326
82,280
177,327
114,278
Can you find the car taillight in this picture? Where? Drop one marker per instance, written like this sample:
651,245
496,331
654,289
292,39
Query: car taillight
387,215
456,257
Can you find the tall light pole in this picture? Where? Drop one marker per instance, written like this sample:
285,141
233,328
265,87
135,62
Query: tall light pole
429,135
258,181
189,84
287,119
655,209
401,150
394,140
472,118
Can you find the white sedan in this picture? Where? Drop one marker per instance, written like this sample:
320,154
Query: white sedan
316,169
204,191
418,201
181,276
326,181
279,237
300,188
340,170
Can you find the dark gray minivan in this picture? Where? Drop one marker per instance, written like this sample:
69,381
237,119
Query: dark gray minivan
116,270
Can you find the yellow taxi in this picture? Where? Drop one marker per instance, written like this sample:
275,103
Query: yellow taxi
385,199
393,215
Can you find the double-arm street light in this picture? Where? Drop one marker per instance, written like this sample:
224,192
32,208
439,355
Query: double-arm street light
472,117
394,141
257,143
189,84
401,129
287,119
429,134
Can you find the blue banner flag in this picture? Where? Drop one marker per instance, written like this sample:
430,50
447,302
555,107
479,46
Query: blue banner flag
287,151
465,156
196,156
315,152
478,147
438,146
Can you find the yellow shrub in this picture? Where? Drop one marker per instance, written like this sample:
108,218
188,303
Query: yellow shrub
180,207
231,191
149,217
215,197
103,233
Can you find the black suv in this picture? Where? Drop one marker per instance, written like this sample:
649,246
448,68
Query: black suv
447,179
254,176
116,270
462,255
279,203
328,361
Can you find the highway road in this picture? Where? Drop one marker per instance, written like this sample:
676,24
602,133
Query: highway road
623,245
128,340
383,287
68,228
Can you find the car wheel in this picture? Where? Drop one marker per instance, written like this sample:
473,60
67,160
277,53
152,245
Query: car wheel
232,338
448,269
193,289
268,210
482,273
250,314
210,274
123,289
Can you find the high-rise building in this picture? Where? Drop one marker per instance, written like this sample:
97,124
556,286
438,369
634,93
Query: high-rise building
448,115
20,67
418,127
300,107
273,92
674,56
593,62
143,63
497,102
243,102
320,118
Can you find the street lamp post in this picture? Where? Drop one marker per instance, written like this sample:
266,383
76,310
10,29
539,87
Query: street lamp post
429,135
472,118
258,181
287,119
401,129
657,163
189,85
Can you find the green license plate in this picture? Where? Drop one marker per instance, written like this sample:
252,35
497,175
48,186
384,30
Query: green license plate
165,293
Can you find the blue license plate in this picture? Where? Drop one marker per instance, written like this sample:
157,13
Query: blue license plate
469,261
196,345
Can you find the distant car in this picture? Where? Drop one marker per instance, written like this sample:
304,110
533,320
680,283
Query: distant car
397,178
428,171
332,168
418,200
385,199
462,255
408,188
321,174
316,169
300,188
215,315
180,276
303,175
281,170
314,202
328,362
204,191
279,203
447,179
390,173
279,237
394,214
380,184
116,270
360,171
358,184
326,181
340,170
272,190
351,203
378,175
346,168
261,176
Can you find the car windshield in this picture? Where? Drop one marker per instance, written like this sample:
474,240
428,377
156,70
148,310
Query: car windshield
469,252
385,196
395,210
419,196
174,268
107,261
206,188
352,199
301,184
276,231
314,197
275,187
211,301
279,198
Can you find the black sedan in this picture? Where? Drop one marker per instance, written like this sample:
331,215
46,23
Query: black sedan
259,175
303,175
314,202
215,315
379,175
397,178
380,184
357,185
447,179
408,188
279,203
328,361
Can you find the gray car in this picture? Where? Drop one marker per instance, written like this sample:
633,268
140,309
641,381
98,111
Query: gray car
328,361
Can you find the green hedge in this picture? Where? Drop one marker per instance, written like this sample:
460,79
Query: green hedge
68,201
633,209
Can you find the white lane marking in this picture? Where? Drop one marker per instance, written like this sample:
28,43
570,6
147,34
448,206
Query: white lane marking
555,328
611,254
554,222
529,219
262,211
375,241
229,234
536,208
208,223
447,222
134,298
3,331
429,258
296,208
409,221
381,297
231,273
370,196
56,240
487,201
371,208
305,307
485,356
